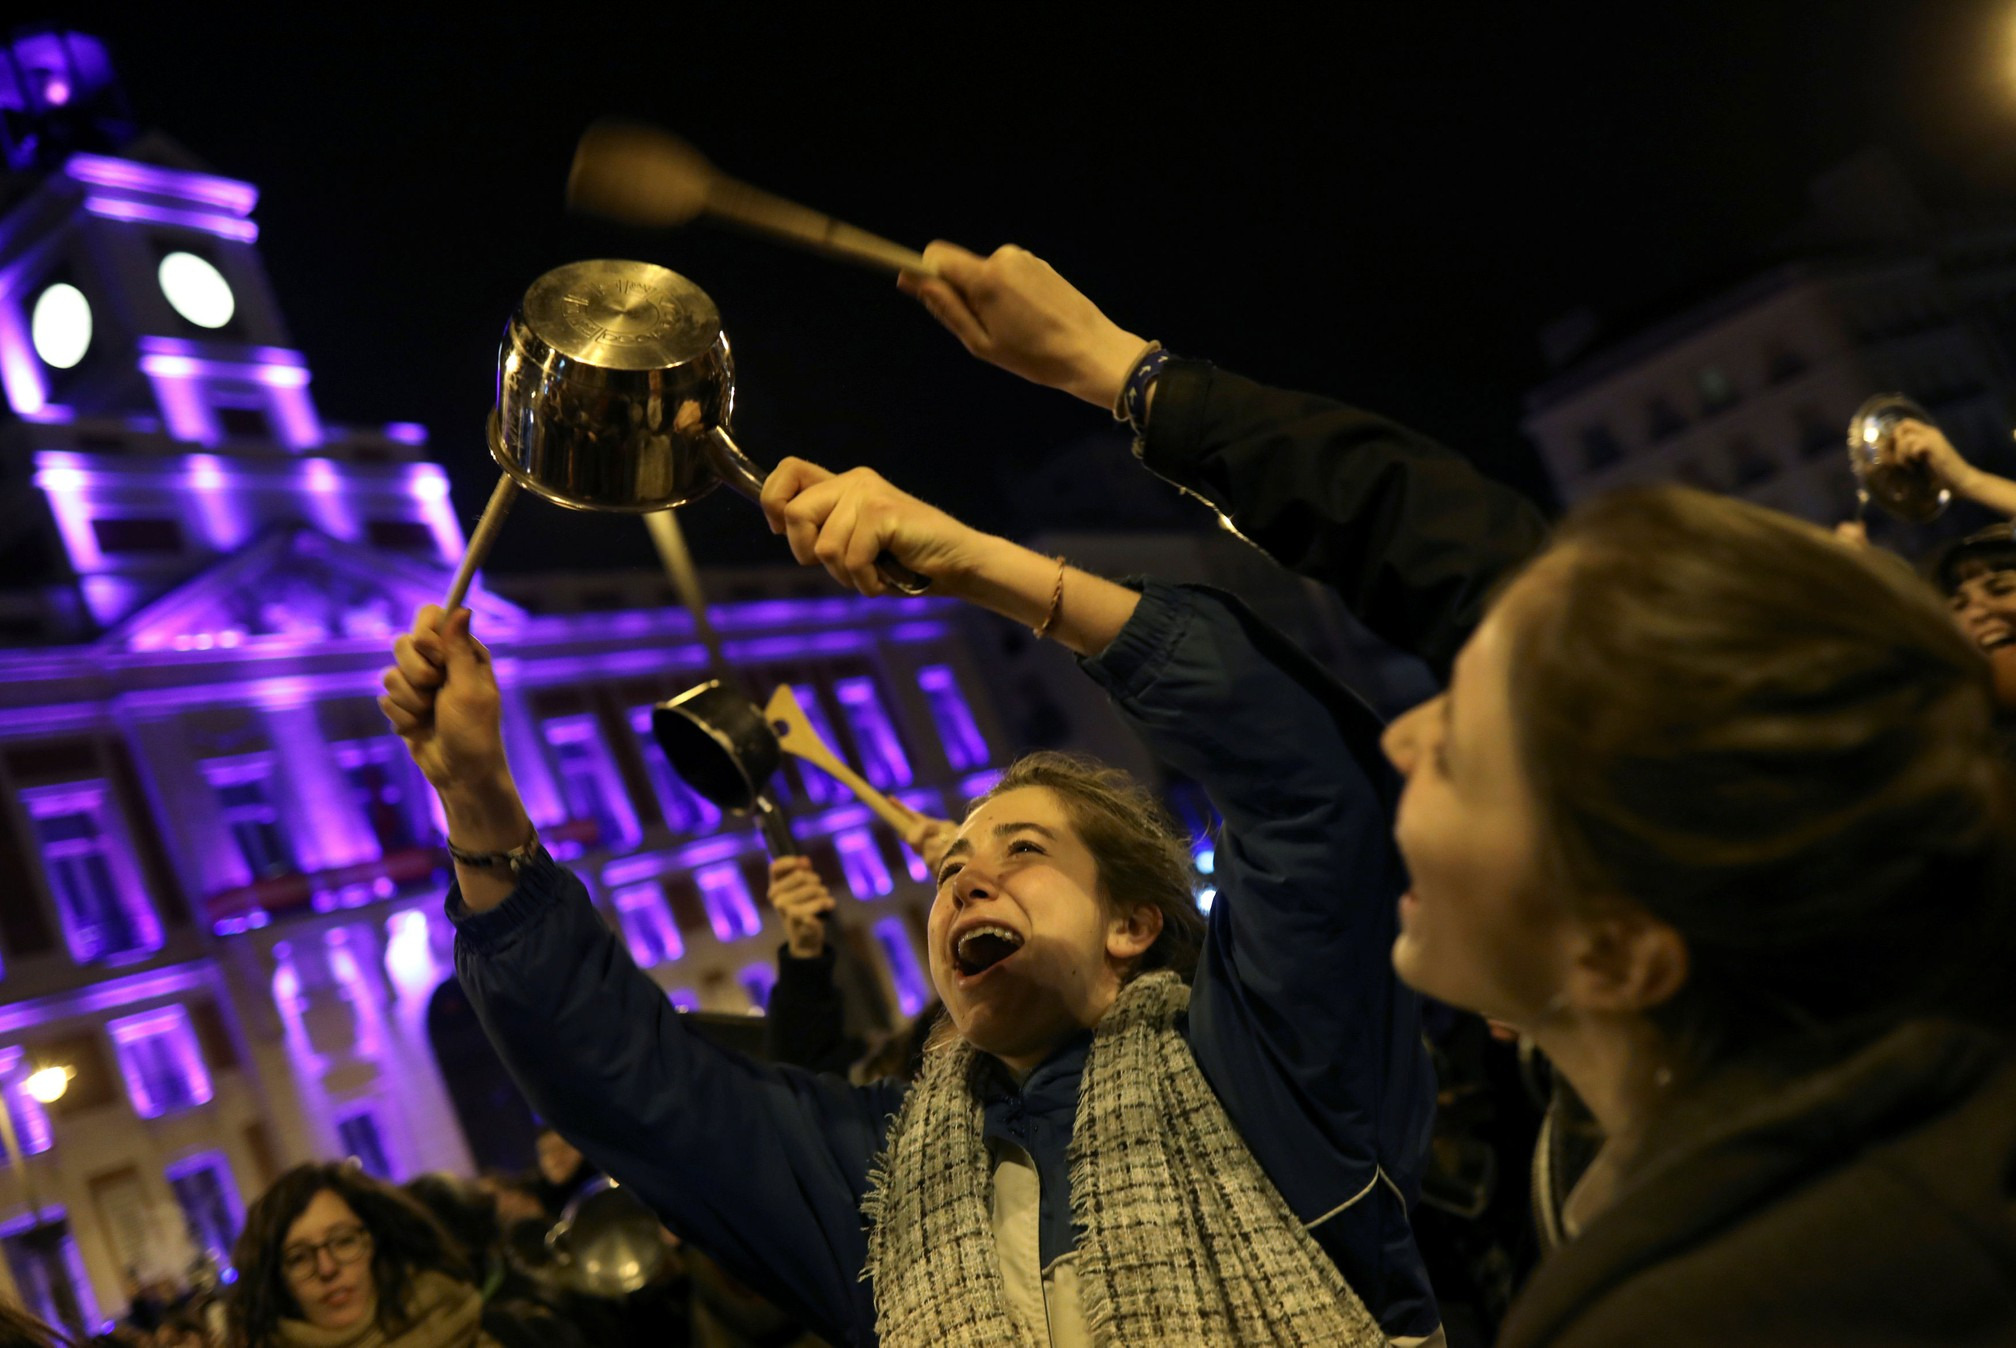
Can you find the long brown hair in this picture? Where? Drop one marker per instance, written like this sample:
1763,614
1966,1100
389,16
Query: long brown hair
405,1240
1143,856
1778,746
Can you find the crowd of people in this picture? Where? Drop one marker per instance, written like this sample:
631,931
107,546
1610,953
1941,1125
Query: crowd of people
1711,814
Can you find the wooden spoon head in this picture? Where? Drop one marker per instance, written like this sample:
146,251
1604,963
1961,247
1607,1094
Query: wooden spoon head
638,174
793,728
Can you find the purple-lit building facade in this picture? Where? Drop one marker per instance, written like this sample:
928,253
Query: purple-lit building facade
220,878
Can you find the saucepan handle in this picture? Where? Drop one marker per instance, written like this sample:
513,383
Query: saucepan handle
741,473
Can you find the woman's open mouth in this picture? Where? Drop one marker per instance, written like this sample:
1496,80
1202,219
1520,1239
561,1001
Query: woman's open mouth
983,948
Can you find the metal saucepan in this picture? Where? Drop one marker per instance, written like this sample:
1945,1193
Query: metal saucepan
1908,491
727,749
615,389
607,1243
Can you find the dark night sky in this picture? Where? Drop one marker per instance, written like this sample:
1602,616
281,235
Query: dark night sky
1385,204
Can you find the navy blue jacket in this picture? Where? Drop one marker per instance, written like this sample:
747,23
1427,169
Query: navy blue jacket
1295,1018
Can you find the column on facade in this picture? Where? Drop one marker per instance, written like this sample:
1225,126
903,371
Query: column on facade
330,829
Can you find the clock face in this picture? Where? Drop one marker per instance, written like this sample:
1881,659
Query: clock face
197,290
60,325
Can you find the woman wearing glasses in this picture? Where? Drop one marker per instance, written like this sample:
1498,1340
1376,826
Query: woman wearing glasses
330,1258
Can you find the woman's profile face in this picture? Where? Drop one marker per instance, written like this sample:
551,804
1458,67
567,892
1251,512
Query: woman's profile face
1477,928
326,1262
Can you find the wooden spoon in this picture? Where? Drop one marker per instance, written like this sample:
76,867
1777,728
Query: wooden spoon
641,175
795,736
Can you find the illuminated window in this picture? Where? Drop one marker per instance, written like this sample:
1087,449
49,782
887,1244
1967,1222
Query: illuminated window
97,889
40,1270
209,1202
647,925
861,862
685,810
381,779
964,747
31,1122
589,782
729,909
358,1134
245,797
160,1060
757,980
882,759
913,989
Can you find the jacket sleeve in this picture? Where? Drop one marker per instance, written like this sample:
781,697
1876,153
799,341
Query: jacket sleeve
1409,534
1296,1017
806,1024
761,1166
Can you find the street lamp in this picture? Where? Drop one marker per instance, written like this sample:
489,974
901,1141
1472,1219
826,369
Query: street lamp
47,1085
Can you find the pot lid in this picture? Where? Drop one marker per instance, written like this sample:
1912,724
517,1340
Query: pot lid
622,315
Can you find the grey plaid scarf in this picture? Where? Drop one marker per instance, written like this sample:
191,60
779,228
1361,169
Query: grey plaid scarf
1182,1238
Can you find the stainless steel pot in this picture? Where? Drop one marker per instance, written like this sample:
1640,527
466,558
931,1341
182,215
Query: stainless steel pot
615,388
1908,491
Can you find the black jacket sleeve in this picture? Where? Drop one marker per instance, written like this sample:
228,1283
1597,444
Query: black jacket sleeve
1409,534
806,1018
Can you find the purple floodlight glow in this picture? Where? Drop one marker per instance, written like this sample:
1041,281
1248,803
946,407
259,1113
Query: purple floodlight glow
766,650
52,414
428,482
979,784
159,1058
964,746
883,761
357,991
328,505
851,815
913,632
409,954
20,368
202,189
209,222
913,989
55,90
730,911
224,518
165,364
183,408
861,862
105,995
648,928
406,432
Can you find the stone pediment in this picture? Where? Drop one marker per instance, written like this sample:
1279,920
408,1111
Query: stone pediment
298,585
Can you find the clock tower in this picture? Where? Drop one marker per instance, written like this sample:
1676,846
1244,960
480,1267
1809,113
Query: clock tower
163,418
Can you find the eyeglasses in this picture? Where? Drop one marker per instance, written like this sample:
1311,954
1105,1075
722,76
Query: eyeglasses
346,1245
